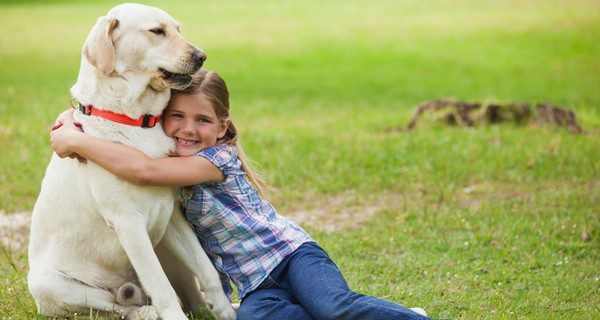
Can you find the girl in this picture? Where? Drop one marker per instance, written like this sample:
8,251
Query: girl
279,270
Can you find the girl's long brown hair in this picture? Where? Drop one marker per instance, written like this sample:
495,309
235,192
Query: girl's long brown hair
214,89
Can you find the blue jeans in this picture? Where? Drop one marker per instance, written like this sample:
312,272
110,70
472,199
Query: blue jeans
308,285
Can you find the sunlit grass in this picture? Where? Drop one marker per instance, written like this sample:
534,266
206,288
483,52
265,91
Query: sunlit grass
489,220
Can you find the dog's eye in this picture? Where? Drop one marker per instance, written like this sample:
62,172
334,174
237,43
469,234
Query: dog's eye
158,31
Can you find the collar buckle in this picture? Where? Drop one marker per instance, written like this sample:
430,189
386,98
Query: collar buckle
149,121
87,110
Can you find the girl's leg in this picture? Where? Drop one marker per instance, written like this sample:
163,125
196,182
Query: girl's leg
321,289
271,303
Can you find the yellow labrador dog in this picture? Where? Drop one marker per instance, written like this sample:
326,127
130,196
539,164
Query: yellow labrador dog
96,238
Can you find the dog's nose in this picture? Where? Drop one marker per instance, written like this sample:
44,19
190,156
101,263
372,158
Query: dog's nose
199,57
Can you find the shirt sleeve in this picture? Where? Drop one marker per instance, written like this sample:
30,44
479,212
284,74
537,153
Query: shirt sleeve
223,157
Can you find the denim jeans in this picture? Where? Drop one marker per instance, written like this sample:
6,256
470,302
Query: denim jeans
308,285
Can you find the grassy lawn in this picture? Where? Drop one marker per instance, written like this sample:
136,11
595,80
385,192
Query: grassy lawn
478,223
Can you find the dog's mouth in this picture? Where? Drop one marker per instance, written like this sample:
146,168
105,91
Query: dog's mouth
176,78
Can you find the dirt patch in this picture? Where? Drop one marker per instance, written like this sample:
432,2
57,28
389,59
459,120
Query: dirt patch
340,212
14,232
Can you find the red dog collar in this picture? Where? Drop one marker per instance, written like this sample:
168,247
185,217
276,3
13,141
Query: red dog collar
145,121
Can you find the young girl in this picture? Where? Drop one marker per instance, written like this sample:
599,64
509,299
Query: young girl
279,270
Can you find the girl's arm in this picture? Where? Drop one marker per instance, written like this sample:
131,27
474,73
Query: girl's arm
131,164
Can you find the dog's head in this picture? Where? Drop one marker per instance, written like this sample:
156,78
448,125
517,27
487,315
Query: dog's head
141,39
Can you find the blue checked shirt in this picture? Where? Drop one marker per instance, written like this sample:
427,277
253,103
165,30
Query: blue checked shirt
242,234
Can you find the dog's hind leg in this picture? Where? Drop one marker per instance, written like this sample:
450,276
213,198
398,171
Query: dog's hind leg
180,241
130,294
57,295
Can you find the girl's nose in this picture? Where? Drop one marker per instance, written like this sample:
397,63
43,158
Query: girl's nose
188,128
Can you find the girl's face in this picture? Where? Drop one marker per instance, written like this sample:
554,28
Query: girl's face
191,121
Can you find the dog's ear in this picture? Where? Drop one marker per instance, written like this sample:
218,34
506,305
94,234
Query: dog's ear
98,48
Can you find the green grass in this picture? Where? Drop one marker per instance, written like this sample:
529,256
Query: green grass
485,222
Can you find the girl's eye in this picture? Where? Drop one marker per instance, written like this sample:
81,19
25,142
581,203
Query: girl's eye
159,31
178,116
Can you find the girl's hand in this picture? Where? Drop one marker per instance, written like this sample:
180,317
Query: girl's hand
62,139
66,116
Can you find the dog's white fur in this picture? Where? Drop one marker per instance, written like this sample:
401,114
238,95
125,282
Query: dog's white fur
91,232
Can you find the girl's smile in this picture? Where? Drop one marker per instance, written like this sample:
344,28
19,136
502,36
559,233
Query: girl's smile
185,142
193,124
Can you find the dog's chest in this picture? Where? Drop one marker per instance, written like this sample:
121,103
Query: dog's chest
116,199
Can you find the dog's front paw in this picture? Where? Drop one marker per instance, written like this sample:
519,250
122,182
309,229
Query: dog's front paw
225,312
172,314
143,313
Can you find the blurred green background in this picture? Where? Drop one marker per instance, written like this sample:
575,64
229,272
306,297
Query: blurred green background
484,222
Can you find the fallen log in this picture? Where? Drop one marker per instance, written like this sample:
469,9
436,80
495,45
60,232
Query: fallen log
469,114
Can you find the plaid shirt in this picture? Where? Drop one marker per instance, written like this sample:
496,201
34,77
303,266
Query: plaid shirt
242,234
